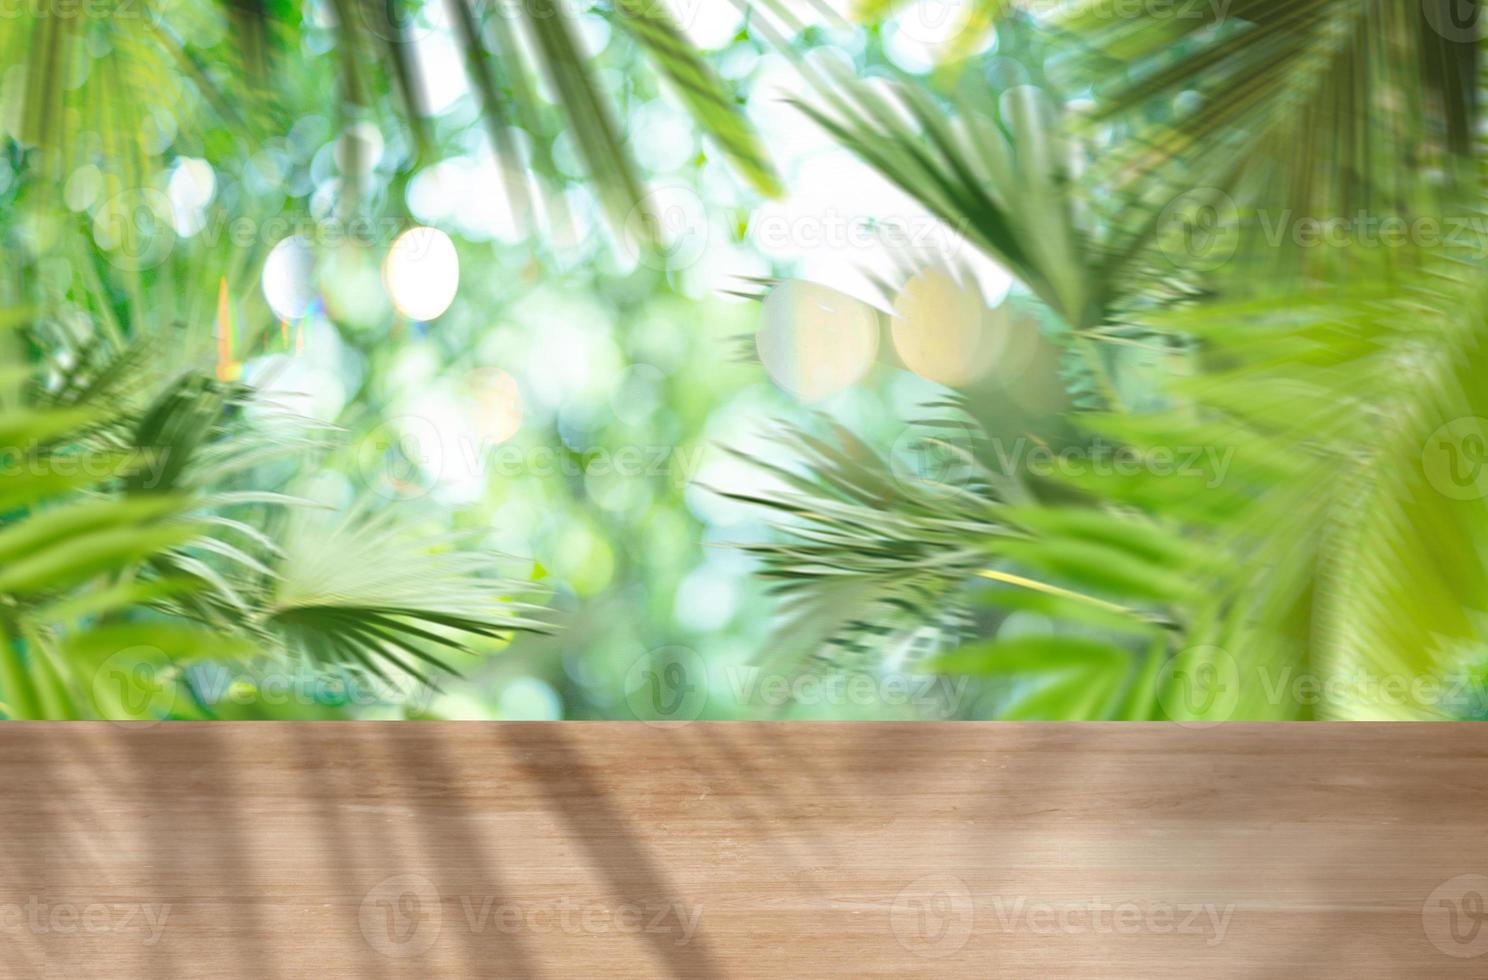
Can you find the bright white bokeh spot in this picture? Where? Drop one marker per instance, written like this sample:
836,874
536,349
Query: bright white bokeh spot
708,25
594,34
815,341
433,191
470,193
289,278
441,68
918,36
943,331
421,273
192,183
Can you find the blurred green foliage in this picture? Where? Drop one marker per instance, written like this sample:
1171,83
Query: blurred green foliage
379,359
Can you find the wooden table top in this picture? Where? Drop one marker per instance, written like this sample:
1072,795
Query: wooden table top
368,850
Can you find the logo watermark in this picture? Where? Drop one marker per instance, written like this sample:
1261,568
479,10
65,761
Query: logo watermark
1199,687
1455,458
933,916
936,695
1455,916
1097,916
675,683
138,229
408,456
1206,465
140,684
1199,229
401,916
42,918
1455,20
667,684
73,9
404,915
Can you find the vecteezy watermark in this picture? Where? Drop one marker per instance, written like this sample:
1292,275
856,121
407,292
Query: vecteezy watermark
73,9
933,916
1455,916
39,917
403,22
404,915
1455,20
774,232
682,10
1455,458
667,684
1199,229
136,684
1190,11
29,461
141,684
670,229
675,684
934,695
667,229
675,917
138,228
267,682
1457,693
1106,918
1365,230
940,455
401,916
407,456
1206,465
1199,686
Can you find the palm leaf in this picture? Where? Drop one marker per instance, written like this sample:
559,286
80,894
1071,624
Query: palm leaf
700,90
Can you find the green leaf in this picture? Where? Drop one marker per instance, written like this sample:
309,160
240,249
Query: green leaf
51,528
114,597
173,641
713,108
1108,570
1031,654
82,557
592,124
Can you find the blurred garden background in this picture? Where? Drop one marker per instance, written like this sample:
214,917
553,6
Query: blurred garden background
512,366
464,359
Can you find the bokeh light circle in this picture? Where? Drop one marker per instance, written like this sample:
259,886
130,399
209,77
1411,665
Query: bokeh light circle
421,273
943,331
289,278
815,341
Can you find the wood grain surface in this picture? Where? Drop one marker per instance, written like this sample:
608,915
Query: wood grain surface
365,850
